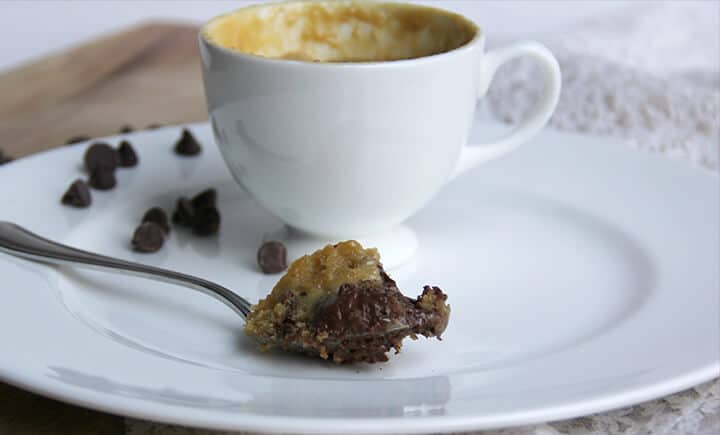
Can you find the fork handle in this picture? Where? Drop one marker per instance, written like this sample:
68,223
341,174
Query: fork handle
19,242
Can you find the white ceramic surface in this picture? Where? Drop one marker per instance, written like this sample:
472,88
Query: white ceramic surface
350,150
582,275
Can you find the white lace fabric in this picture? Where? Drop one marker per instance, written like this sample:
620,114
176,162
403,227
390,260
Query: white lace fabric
651,77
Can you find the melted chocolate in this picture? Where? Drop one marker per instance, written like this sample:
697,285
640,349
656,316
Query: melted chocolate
371,308
364,322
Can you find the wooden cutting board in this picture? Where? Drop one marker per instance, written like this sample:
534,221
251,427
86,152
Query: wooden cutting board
148,74
145,75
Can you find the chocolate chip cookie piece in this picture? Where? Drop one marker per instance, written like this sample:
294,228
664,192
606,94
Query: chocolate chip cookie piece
77,195
339,304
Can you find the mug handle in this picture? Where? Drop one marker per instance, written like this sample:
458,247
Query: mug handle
472,156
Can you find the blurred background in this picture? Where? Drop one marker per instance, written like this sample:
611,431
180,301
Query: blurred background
644,71
64,23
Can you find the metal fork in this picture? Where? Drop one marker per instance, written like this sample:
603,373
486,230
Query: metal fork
16,240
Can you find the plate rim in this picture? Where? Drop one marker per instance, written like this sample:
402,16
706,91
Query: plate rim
133,408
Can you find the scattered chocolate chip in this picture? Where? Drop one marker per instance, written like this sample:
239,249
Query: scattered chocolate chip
157,216
100,155
187,145
153,126
148,237
206,221
199,213
76,139
77,195
126,129
206,198
4,158
272,257
102,178
126,156
184,213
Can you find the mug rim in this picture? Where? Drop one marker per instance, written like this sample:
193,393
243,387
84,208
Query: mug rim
478,38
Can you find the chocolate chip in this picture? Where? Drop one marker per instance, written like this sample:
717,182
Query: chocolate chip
184,213
272,257
187,145
77,195
157,216
100,155
102,178
4,158
76,139
126,156
206,198
153,126
148,237
206,221
126,129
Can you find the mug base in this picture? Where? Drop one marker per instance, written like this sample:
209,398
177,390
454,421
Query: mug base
396,246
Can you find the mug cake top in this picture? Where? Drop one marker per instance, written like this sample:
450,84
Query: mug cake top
341,31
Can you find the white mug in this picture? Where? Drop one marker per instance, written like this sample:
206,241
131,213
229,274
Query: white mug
347,150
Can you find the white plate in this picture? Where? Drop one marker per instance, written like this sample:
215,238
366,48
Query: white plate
583,276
